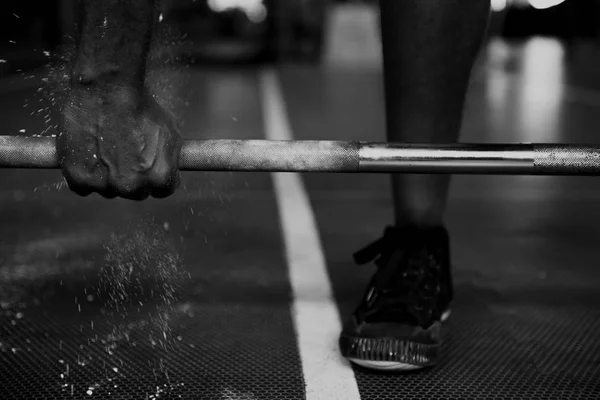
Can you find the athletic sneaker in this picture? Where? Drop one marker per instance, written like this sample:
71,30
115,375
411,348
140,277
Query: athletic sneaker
397,325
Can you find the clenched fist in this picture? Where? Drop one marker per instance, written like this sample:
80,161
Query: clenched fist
116,140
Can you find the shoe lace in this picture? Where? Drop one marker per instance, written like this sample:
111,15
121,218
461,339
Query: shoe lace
406,281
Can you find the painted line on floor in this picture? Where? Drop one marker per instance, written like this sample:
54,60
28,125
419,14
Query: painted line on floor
327,375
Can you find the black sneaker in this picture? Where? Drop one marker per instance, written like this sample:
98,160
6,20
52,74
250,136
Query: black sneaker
397,325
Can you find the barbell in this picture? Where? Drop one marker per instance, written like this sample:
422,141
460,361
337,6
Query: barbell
345,156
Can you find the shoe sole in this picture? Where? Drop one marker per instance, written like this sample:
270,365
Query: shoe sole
394,366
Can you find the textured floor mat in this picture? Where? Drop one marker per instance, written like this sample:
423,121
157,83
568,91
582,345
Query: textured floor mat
210,352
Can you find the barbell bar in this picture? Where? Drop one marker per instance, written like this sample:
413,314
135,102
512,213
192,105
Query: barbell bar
345,156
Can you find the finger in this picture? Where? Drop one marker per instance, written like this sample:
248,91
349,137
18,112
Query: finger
133,186
165,178
107,193
138,195
161,189
83,181
78,189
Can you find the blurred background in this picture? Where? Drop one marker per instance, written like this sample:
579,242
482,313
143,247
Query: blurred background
277,30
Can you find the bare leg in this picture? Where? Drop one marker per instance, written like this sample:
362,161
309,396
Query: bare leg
429,47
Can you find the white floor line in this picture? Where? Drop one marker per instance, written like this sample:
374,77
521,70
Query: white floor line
327,375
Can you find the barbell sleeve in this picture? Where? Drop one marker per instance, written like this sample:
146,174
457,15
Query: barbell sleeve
345,156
